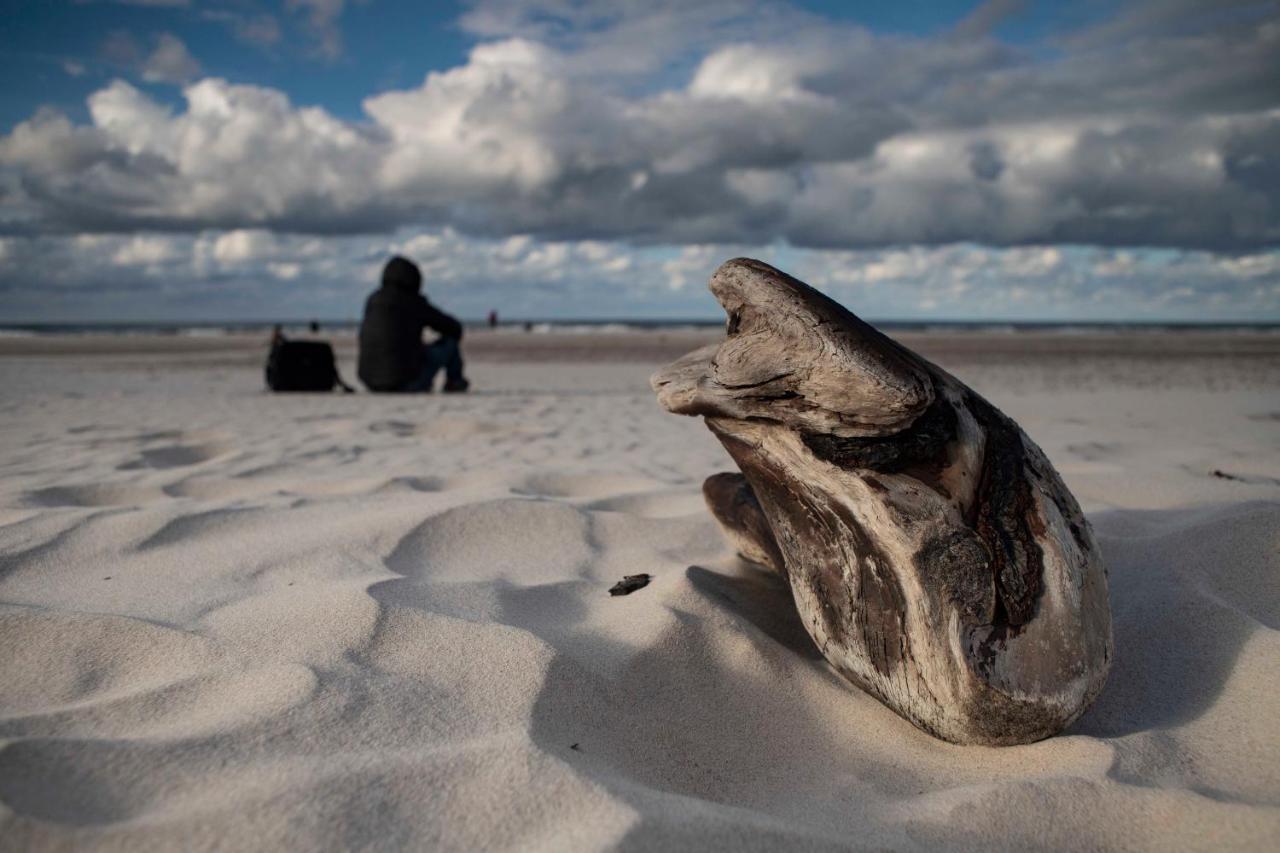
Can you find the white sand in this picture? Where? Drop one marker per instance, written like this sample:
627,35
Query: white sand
240,621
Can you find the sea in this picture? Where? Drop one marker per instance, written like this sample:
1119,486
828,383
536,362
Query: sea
596,326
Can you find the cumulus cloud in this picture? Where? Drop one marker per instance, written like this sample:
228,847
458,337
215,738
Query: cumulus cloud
144,250
611,40
168,61
982,20
258,273
121,48
604,158
260,29
236,156
1146,131
322,17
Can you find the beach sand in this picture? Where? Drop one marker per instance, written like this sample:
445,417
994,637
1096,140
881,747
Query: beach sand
233,620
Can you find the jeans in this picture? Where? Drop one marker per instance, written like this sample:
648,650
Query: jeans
443,353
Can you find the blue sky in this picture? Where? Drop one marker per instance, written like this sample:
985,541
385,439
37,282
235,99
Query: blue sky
384,45
229,159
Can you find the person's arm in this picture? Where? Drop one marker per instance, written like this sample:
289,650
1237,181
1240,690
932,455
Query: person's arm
448,326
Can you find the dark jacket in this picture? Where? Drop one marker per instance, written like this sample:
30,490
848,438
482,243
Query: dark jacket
391,331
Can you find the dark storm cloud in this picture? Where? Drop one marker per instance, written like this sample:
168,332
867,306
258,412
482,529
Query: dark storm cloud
1157,127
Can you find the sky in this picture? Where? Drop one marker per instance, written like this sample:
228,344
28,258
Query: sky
254,160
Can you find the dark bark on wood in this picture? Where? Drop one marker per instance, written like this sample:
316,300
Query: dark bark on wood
734,505
935,556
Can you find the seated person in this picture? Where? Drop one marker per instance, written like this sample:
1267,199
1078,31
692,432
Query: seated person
393,356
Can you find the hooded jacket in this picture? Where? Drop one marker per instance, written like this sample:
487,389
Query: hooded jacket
391,332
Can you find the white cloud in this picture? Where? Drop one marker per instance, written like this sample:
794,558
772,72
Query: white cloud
637,144
121,48
692,266
258,29
170,62
1253,266
240,246
1032,261
477,128
285,271
260,274
743,71
322,18
832,138
145,250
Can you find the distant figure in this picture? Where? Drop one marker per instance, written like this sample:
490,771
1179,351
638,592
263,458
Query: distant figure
277,335
392,354
315,327
493,319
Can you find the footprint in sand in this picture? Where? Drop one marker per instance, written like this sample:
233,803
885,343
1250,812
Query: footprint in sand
411,484
331,425
667,503
453,428
191,450
400,429
173,456
445,428
1235,477
598,486
94,495
1094,451
84,428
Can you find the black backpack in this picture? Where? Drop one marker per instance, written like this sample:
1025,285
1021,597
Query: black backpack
303,366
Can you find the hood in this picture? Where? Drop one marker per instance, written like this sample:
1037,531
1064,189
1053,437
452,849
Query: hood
402,274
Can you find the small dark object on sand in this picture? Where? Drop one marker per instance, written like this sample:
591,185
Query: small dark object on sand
629,584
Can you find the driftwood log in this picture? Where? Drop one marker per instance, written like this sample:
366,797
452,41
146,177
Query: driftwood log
934,554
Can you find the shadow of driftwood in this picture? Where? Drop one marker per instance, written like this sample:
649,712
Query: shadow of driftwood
685,720
762,598
1184,600
732,664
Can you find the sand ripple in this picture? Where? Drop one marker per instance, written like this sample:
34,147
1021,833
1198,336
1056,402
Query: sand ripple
333,625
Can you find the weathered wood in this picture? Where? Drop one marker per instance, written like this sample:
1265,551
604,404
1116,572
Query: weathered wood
935,556
744,523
